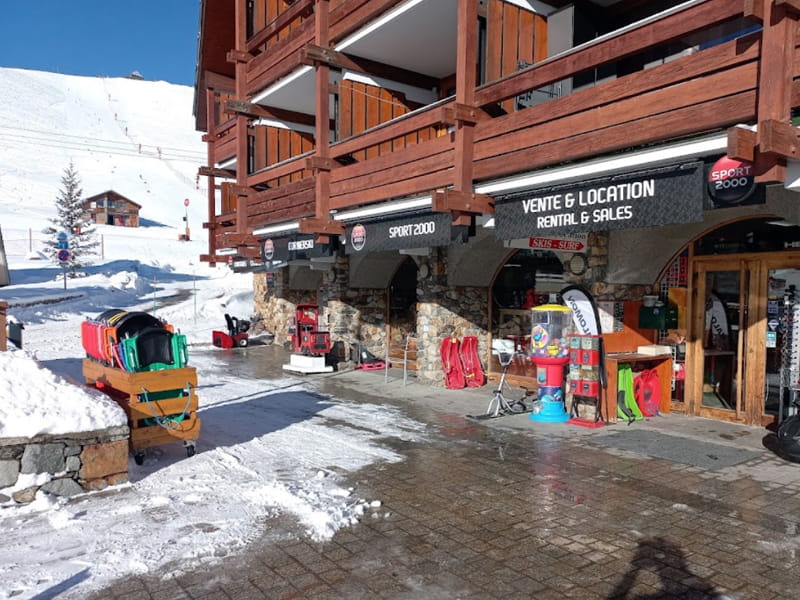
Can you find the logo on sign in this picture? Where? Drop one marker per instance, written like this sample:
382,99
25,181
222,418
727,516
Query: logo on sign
773,324
730,181
269,249
358,237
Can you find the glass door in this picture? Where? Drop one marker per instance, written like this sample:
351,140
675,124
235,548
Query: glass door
720,319
745,345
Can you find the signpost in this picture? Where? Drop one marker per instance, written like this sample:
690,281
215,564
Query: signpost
186,220
63,258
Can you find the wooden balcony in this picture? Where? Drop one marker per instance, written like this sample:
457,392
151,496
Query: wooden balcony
710,89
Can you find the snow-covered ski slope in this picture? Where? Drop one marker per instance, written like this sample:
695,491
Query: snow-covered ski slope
133,136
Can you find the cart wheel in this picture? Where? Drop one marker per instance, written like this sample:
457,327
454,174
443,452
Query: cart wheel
190,450
138,458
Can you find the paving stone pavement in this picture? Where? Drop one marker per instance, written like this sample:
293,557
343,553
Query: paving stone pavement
513,509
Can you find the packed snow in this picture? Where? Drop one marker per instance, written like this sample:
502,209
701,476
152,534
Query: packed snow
268,448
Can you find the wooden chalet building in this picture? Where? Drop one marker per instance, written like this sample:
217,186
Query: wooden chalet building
112,208
434,168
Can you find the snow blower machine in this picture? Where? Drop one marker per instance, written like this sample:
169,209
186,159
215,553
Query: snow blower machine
309,345
140,362
236,337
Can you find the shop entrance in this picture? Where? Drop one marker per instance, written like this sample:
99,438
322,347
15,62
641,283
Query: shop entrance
742,366
402,311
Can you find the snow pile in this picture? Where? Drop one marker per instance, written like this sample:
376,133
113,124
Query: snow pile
36,401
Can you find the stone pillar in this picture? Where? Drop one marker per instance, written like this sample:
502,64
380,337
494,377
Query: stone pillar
274,303
443,312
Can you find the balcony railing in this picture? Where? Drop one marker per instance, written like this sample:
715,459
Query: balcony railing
707,90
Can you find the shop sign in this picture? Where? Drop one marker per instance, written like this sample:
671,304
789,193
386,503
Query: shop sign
562,243
297,247
245,265
732,182
662,196
421,230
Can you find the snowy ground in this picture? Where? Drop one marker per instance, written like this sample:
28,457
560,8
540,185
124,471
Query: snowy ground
267,447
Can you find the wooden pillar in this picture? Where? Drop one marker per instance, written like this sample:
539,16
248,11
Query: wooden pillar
322,128
466,60
321,164
211,125
240,57
775,83
775,139
461,200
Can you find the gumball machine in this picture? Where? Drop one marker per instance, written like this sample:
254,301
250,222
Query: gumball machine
552,324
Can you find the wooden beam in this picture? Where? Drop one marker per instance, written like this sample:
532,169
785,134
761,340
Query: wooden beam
320,226
319,163
742,143
313,54
240,190
258,111
754,9
214,172
461,113
454,200
239,239
238,56
779,137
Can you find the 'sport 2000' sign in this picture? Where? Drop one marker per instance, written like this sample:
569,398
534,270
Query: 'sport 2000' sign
643,199
421,230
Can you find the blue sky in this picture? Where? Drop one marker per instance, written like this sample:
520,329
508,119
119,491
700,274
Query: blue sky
109,38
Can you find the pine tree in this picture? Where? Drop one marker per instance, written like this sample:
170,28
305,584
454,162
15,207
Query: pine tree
74,219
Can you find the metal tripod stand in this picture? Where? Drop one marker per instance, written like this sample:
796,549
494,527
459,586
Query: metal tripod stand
498,405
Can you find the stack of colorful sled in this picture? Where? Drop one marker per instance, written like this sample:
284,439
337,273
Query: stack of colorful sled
141,363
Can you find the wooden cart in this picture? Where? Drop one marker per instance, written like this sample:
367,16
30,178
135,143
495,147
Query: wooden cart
161,405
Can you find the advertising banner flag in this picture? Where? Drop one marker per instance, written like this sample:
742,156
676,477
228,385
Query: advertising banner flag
586,318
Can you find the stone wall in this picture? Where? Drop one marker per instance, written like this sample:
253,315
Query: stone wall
274,306
443,312
62,465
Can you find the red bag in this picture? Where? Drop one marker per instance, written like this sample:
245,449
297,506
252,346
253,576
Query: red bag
647,392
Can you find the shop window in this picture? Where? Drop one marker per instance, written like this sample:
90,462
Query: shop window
528,278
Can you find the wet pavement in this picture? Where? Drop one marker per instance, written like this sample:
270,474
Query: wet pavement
509,508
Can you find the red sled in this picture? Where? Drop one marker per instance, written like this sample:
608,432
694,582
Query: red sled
372,366
450,354
473,370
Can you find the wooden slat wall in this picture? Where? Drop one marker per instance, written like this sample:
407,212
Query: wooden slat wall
363,106
512,35
274,145
267,11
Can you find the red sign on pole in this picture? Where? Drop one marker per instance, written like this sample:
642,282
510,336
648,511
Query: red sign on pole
186,202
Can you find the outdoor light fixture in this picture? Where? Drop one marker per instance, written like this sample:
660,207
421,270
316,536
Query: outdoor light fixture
293,226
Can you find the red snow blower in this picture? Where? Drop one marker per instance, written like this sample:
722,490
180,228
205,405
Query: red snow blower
237,334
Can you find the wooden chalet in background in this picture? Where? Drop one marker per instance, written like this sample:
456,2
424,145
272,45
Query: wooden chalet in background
111,208
315,106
